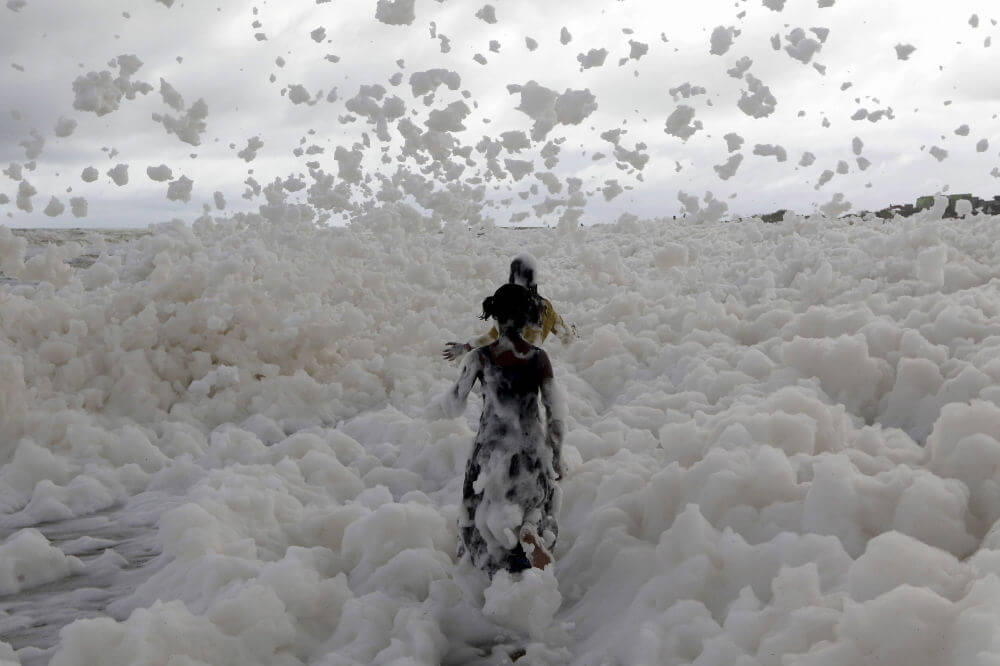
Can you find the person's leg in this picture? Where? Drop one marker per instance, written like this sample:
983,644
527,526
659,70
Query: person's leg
533,547
516,561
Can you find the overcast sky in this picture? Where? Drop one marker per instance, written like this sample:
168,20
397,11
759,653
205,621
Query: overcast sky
209,51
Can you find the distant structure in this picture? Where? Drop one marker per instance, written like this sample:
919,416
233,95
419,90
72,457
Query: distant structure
984,206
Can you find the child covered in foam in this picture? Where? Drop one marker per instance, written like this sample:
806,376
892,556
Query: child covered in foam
510,497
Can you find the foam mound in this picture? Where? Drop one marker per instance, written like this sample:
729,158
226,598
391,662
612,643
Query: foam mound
782,440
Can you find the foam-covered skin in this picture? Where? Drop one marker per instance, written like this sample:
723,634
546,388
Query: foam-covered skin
744,478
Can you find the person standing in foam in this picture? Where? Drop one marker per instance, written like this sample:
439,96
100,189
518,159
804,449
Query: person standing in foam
523,271
510,497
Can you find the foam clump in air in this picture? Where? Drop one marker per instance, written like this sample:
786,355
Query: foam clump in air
298,94
160,174
612,188
824,178
757,101
938,153
170,96
740,68
572,107
349,163
119,174
637,49
180,189
188,127
801,47
54,208
487,14
249,153
65,126
728,169
518,169
592,58
564,36
686,90
100,93
425,82
904,51
681,122
767,149
78,206
448,119
836,206
733,141
14,171
549,108
395,12
514,141
691,207
25,191
721,39
89,174
96,92
33,146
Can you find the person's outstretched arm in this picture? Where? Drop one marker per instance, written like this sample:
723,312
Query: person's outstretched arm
555,414
453,350
453,402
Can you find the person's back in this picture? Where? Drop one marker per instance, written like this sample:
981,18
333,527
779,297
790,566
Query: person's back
511,384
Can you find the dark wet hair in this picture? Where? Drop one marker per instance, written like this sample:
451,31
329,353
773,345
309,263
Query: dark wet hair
513,303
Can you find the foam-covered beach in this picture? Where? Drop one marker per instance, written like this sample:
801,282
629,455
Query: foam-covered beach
781,444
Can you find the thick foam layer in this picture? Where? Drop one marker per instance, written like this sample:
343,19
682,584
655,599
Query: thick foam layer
765,423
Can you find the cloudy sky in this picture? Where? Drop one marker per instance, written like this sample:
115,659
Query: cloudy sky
944,96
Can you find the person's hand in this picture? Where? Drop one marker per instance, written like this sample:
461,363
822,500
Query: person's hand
454,350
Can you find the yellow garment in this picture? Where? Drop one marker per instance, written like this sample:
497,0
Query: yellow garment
551,322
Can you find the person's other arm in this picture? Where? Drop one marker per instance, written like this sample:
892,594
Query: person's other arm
555,415
452,403
553,323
